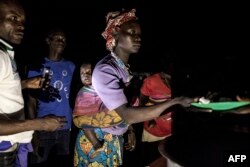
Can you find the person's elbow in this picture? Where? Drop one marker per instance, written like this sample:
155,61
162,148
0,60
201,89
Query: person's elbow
125,114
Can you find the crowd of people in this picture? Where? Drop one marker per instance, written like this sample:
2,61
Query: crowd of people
103,111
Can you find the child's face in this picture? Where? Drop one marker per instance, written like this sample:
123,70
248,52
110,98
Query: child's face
85,74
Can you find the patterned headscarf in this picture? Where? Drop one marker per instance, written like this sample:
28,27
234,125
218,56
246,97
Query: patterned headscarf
115,19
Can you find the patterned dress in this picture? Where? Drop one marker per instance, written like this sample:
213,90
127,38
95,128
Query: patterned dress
87,103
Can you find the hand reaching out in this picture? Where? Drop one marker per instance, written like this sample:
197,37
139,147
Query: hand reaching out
34,83
52,123
185,101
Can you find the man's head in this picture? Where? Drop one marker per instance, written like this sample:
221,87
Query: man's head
12,18
56,40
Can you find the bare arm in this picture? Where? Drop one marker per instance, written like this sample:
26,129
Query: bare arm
93,139
140,114
129,114
32,83
50,123
102,119
31,103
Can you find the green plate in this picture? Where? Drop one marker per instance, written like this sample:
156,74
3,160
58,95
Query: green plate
221,106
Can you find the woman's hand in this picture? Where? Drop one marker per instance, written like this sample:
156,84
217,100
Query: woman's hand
185,101
131,143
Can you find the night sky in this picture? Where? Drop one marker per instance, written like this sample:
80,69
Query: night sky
206,41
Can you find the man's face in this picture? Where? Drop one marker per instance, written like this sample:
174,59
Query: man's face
57,42
12,18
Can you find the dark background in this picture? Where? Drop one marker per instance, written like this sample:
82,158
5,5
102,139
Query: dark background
207,42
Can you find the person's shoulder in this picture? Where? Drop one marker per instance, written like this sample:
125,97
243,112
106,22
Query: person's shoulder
69,63
106,58
2,52
3,49
108,61
2,57
105,64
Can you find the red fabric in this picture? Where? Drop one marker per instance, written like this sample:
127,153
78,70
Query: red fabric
88,102
163,126
155,88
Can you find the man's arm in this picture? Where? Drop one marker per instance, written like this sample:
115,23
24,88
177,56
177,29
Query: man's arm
50,123
31,83
31,103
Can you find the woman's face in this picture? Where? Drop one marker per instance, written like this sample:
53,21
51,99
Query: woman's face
85,74
129,37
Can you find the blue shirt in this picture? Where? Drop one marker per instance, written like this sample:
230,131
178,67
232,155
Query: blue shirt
61,75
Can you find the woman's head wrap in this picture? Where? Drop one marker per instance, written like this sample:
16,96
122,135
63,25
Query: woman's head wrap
115,19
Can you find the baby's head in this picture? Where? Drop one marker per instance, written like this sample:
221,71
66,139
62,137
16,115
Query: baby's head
86,74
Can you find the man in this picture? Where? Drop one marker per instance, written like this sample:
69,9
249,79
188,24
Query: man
15,132
54,100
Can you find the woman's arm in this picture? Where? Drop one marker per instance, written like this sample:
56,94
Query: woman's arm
133,115
130,115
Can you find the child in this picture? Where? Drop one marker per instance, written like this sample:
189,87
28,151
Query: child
86,102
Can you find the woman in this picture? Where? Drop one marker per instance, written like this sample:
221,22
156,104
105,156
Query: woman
110,77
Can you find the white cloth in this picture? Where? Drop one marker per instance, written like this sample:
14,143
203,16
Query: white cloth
11,99
148,137
23,137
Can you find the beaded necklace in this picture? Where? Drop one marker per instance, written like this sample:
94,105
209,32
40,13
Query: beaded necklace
121,64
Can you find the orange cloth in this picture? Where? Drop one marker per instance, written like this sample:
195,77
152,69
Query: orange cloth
115,19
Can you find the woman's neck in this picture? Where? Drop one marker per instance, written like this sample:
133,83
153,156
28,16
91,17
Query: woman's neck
122,55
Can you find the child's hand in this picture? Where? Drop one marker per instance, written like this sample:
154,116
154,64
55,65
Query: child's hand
98,147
